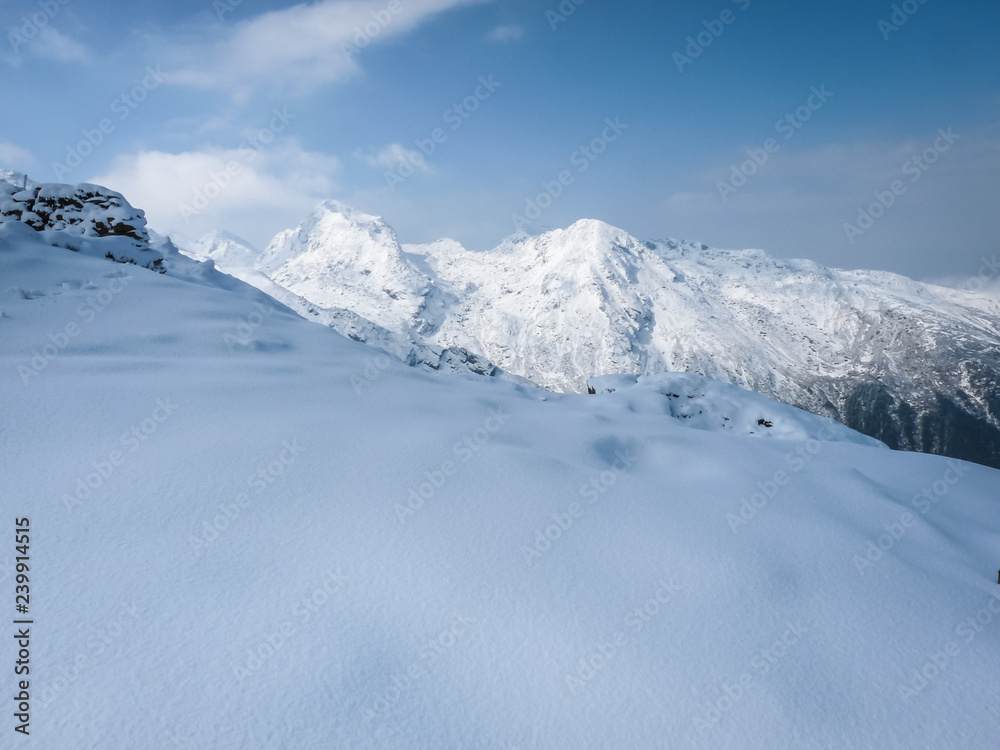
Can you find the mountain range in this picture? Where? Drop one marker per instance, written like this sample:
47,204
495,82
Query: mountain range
912,364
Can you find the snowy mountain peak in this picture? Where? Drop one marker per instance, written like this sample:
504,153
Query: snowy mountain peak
591,299
331,232
339,257
349,213
226,249
589,240
598,232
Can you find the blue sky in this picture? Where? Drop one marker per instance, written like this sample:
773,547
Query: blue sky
342,113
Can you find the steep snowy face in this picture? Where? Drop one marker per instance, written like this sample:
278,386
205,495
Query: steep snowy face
342,258
551,306
911,364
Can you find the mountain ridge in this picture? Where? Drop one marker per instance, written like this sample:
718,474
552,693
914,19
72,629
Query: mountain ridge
911,364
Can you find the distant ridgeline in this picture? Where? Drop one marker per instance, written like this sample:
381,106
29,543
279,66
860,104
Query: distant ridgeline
68,212
914,365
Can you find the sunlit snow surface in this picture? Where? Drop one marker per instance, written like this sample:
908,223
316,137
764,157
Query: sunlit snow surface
580,572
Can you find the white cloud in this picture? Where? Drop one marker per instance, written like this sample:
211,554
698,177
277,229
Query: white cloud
986,281
188,194
506,34
14,157
45,43
55,46
301,47
395,155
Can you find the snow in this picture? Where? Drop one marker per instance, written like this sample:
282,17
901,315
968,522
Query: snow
237,258
715,406
591,299
562,307
343,258
88,210
225,249
718,583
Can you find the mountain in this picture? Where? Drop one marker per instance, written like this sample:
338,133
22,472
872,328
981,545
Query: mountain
236,546
342,258
294,254
913,365
224,249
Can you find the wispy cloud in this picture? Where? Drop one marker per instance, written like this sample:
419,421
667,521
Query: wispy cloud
273,189
45,43
14,157
53,45
506,34
987,281
299,48
394,155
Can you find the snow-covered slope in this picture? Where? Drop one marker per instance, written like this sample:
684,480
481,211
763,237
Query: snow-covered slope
238,258
706,404
912,364
248,531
